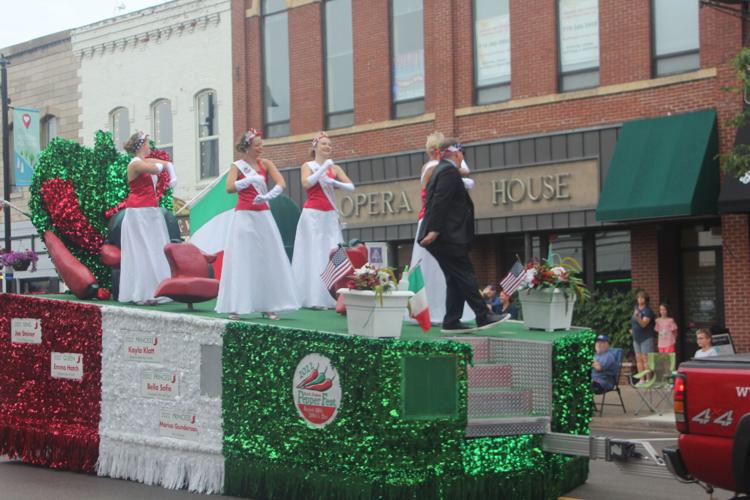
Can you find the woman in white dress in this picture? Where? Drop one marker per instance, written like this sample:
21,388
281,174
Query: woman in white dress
144,234
318,229
434,280
255,274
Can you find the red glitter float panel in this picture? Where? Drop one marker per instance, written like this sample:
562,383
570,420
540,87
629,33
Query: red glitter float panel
50,382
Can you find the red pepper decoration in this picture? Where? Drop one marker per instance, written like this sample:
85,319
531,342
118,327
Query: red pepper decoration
323,386
313,375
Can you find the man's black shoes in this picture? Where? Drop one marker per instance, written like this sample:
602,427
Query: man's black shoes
457,327
491,319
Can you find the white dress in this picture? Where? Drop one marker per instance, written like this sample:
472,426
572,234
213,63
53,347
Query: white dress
318,232
434,279
255,273
144,235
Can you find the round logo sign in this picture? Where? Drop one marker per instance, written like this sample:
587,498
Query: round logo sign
317,390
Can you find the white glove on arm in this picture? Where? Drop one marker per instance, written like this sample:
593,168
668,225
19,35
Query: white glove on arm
172,174
159,167
465,166
243,183
273,193
314,177
346,186
468,183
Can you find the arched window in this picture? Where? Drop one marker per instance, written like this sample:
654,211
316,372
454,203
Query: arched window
119,124
49,129
161,118
208,133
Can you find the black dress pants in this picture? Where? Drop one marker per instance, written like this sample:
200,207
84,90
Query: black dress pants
460,280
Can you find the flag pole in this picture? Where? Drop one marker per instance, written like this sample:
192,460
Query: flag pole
203,191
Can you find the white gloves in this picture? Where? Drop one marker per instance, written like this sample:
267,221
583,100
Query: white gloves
465,166
273,193
468,183
243,183
346,186
172,174
314,177
159,167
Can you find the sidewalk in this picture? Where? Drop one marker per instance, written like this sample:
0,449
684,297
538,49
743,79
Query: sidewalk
614,418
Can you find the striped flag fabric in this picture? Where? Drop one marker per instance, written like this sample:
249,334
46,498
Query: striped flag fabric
513,279
338,266
418,303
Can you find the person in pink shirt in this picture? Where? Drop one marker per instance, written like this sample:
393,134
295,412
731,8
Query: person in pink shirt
667,330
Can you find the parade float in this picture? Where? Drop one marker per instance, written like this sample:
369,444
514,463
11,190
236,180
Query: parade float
296,408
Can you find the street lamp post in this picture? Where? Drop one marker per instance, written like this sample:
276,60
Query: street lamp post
6,149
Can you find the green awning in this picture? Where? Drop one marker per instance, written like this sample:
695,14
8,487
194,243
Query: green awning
663,167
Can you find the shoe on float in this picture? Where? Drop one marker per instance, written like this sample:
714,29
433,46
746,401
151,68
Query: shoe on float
457,327
271,315
233,316
490,320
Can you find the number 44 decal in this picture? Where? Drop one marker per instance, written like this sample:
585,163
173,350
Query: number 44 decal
704,417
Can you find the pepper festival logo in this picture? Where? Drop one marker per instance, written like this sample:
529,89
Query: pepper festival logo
317,390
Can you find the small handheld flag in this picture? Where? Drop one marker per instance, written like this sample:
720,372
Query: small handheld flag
418,303
513,279
338,266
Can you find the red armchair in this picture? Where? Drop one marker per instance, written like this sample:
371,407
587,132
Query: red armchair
190,281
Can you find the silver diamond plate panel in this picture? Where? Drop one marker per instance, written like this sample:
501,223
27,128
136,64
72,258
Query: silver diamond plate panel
532,368
507,426
483,375
499,402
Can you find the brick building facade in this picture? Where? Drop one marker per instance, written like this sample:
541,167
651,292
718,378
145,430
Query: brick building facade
537,126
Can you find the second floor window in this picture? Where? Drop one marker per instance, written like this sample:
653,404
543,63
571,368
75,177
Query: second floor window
119,124
407,46
578,34
208,134
49,129
339,64
162,124
676,36
276,67
491,51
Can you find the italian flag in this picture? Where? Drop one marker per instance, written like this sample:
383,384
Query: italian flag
418,303
209,221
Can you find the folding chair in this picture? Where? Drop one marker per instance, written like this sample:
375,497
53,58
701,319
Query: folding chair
618,359
658,389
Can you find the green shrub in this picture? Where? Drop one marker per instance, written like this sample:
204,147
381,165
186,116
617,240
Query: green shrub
609,314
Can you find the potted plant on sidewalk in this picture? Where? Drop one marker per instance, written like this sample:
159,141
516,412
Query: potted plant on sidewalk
20,261
374,306
549,293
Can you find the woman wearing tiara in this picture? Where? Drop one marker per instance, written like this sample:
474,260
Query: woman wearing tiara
434,280
318,229
255,274
144,234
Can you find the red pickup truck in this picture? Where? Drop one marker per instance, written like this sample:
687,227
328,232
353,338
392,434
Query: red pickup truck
712,412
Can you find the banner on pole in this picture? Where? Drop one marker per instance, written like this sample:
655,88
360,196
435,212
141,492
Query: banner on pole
25,144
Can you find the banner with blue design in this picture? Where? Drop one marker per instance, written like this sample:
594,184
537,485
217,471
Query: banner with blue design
25,144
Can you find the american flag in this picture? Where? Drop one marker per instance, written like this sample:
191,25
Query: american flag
513,279
338,267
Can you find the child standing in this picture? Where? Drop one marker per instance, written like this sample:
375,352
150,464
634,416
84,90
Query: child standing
667,330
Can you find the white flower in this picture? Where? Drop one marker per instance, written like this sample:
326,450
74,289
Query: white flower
530,275
559,271
745,179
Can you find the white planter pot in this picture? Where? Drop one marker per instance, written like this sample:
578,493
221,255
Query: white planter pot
367,317
547,308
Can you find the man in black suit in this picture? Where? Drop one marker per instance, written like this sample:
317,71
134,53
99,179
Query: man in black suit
446,232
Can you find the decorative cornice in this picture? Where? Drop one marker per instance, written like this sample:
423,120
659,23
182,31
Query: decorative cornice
156,35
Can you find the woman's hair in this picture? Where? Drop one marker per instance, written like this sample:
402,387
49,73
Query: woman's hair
434,140
135,142
704,331
246,139
315,142
642,293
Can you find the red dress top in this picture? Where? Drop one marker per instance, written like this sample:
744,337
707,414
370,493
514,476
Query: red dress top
424,199
247,196
317,199
142,192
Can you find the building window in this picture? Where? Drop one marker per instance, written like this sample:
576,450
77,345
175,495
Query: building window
208,134
276,67
407,46
491,51
161,118
49,129
612,253
339,64
119,124
578,33
676,36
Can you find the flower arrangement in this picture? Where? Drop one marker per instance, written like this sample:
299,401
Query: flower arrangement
543,274
369,277
19,260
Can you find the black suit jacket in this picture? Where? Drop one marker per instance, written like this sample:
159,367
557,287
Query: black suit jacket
448,207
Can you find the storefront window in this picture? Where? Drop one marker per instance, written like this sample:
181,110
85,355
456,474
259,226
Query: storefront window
562,246
676,36
491,51
578,35
612,251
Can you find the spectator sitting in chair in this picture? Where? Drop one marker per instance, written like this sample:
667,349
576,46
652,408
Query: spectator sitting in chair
603,368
